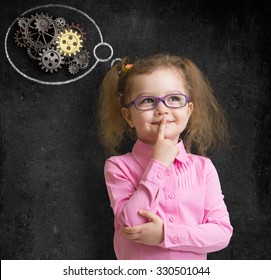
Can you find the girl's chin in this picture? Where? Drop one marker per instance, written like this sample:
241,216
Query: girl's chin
152,141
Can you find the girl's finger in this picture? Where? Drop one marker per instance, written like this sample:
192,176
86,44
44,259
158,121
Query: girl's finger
148,214
161,129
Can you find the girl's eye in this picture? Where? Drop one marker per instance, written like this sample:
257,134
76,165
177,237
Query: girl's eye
147,100
174,98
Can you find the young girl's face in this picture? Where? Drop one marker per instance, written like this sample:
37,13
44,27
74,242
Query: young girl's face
159,83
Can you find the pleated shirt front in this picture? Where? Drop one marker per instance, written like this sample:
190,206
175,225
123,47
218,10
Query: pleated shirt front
187,197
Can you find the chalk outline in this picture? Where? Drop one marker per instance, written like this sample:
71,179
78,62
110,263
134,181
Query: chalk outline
66,81
103,44
115,60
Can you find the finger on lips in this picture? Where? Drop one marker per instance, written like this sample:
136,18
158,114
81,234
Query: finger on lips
161,129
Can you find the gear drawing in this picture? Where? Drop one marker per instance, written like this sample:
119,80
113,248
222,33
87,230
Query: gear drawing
43,23
84,66
51,60
20,39
79,29
60,23
33,53
53,42
74,68
69,42
40,31
22,22
82,57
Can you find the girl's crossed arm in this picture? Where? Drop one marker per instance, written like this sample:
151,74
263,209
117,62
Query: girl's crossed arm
126,198
211,235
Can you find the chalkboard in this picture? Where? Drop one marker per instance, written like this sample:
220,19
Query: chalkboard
54,203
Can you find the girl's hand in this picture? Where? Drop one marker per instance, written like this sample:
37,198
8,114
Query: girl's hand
164,150
151,233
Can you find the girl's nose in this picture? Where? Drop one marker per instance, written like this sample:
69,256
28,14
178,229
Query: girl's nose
161,109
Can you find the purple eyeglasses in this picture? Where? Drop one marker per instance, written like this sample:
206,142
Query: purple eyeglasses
173,100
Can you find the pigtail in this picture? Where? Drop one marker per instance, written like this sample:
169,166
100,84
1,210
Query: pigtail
112,124
207,127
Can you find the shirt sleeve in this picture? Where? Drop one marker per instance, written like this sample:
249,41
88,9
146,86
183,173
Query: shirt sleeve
127,198
213,233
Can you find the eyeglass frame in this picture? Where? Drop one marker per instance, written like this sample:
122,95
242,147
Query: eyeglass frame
158,99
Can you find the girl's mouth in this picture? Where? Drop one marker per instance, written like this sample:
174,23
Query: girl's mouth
158,123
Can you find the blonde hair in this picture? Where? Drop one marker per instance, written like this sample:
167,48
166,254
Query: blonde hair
207,126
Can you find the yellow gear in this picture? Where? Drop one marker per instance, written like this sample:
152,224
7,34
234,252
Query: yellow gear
69,42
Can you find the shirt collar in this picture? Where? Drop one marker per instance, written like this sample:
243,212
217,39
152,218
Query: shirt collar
142,153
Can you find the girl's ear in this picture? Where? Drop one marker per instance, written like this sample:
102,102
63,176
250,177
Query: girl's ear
190,108
127,116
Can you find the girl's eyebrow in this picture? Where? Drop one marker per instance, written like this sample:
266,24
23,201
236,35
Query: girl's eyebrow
145,94
152,94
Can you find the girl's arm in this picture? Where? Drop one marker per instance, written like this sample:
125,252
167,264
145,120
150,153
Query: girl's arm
150,233
211,235
127,196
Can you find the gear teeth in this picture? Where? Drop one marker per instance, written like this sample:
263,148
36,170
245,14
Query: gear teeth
22,22
69,42
34,31
79,29
60,23
20,39
43,23
33,53
51,60
82,57
74,68
84,66
53,42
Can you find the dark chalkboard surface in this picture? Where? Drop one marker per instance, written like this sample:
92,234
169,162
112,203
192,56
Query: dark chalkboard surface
54,203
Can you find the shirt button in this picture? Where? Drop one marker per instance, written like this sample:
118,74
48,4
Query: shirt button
175,240
171,196
160,175
171,219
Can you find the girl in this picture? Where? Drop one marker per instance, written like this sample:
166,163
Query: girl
167,202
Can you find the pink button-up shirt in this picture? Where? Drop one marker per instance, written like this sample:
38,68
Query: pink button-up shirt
187,197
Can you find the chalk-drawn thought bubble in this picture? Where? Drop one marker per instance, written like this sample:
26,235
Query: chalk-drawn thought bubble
54,36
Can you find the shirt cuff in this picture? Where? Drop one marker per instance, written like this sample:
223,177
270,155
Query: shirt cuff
156,173
174,236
